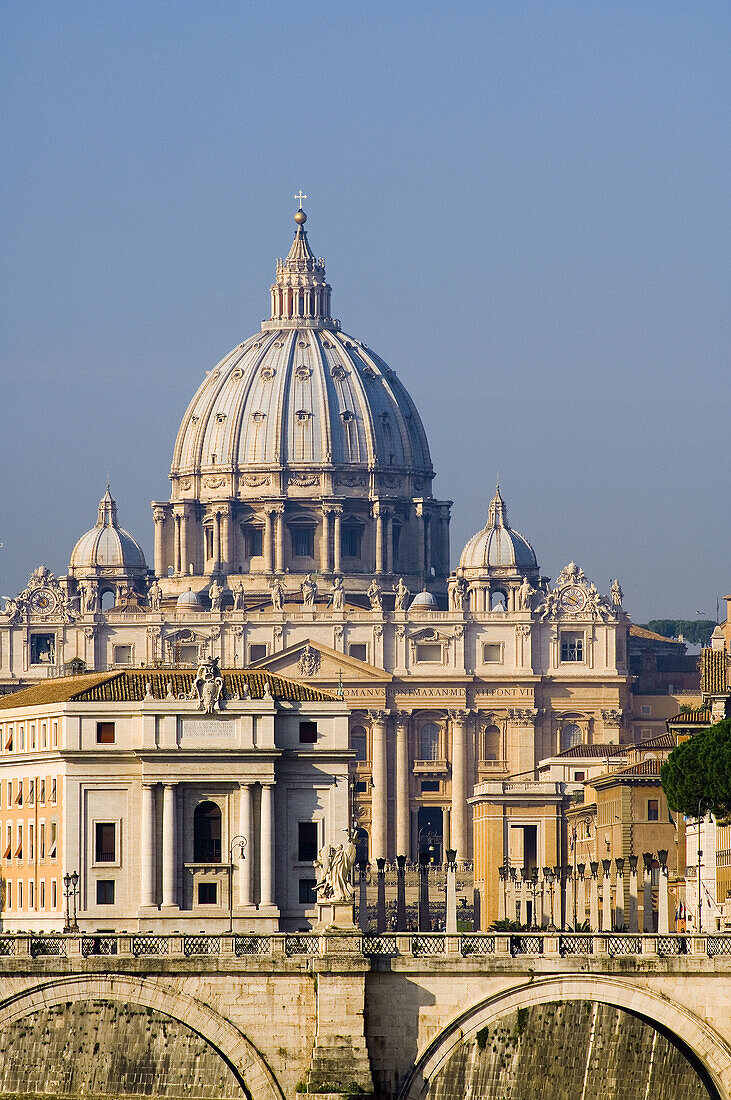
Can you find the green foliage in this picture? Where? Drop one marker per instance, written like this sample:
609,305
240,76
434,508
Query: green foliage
695,631
522,1020
698,771
507,926
482,1037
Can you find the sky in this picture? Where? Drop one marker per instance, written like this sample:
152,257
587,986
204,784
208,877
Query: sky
523,207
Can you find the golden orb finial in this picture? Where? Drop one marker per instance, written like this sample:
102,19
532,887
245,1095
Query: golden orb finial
300,217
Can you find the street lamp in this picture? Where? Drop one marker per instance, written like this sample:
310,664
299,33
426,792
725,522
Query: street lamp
240,843
701,802
70,889
550,877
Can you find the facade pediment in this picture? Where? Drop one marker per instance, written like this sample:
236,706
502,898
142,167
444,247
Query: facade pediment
314,660
429,634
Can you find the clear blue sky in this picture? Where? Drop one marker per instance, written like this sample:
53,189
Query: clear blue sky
523,208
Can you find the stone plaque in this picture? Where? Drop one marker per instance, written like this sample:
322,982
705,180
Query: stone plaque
206,730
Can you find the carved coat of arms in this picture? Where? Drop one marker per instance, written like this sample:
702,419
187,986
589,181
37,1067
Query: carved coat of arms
208,686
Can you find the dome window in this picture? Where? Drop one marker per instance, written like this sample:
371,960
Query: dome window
267,374
258,417
220,417
303,415
347,416
302,373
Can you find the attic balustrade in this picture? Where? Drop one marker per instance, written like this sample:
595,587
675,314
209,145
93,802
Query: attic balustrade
488,947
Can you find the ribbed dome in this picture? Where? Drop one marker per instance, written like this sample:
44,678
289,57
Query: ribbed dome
188,601
300,392
107,546
497,545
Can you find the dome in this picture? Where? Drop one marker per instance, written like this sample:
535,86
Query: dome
107,546
424,601
497,546
300,392
188,601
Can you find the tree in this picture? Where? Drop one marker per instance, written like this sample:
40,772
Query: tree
695,631
698,773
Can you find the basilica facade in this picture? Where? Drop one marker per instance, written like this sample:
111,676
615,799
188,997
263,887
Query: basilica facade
302,539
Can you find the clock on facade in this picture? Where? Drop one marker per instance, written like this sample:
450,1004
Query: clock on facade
572,598
43,601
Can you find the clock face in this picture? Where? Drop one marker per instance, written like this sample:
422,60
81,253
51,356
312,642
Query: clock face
43,601
572,598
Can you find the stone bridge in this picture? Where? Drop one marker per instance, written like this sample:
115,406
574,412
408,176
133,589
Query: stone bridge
407,1016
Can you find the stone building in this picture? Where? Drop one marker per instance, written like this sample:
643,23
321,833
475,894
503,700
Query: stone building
302,538
147,789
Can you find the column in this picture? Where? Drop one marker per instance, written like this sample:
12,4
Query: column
459,783
427,545
647,921
379,538
158,515
169,855
184,542
663,914
338,513
216,564
389,542
421,540
594,898
279,539
325,541
147,885
176,543
632,920
580,893
619,894
607,896
267,844
225,539
402,784
379,803
268,541
245,831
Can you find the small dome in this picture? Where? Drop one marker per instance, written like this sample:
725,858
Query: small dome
424,601
107,546
189,601
497,545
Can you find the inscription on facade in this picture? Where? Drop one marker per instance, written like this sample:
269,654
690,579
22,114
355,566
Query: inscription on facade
205,728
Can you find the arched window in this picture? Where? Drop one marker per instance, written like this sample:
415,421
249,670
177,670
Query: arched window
429,741
350,536
570,736
498,600
359,742
303,540
207,833
108,600
491,743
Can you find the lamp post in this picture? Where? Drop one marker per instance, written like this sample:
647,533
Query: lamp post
450,924
380,896
70,888
400,893
240,843
424,918
701,802
550,877
363,895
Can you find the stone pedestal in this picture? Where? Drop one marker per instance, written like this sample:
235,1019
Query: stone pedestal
336,914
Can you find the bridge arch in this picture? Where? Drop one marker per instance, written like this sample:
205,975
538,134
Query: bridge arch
708,1048
241,1056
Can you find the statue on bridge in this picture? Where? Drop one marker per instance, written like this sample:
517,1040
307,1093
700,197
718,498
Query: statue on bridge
336,865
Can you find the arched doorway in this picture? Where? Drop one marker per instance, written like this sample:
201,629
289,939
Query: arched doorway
207,833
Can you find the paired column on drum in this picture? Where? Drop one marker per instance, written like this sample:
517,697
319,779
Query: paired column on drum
379,811
384,538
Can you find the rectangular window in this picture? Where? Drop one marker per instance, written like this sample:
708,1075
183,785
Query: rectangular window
307,895
42,793
207,893
653,809
31,841
53,791
21,738
19,846
19,795
31,792
122,655
8,850
105,891
10,793
257,652
350,541
42,840
20,895
645,711
492,653
579,777
105,842
359,650
31,894
254,540
572,646
43,894
44,735
42,649
307,841
9,895
52,841
105,733
429,653
361,787
430,786
32,735
303,541
308,733
9,741
55,735
54,894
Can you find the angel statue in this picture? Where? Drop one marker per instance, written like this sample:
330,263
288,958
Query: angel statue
208,686
337,865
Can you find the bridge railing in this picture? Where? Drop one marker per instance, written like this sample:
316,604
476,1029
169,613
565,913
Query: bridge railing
420,945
